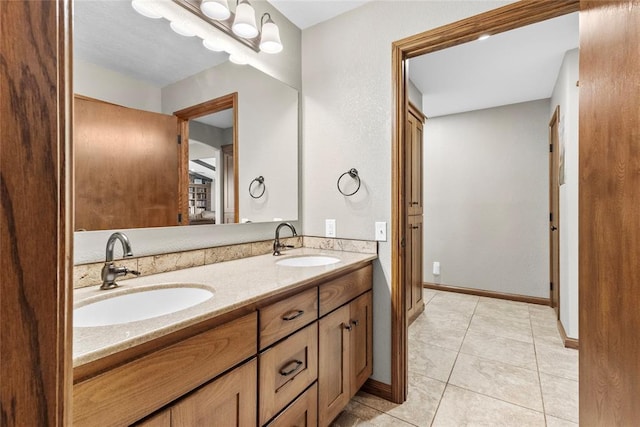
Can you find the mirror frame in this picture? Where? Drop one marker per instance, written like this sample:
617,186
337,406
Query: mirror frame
199,110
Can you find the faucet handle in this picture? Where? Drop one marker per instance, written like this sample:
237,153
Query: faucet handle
134,272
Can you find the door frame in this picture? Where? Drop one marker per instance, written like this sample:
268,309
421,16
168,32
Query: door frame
554,215
495,21
205,108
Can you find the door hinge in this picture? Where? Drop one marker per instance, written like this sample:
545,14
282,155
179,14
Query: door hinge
550,216
551,286
179,139
551,148
403,243
179,218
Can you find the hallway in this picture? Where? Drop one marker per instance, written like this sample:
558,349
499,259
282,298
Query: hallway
480,361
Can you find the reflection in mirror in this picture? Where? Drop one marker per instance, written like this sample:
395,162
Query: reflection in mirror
211,169
125,60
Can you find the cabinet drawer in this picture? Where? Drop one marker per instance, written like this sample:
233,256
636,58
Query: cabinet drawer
287,316
303,412
286,369
131,391
340,291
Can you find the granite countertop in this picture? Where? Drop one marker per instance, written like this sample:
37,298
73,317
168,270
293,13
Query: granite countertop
235,284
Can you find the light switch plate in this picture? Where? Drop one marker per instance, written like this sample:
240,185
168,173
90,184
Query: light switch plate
329,228
381,231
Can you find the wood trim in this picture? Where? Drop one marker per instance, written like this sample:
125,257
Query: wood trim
568,342
512,16
208,107
554,209
36,246
377,388
236,161
505,18
609,209
183,170
490,294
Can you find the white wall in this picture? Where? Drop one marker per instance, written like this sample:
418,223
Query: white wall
414,94
100,83
565,94
486,199
346,80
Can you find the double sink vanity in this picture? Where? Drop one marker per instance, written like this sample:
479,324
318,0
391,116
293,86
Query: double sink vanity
264,340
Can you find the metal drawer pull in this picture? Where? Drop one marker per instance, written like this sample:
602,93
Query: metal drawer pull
293,315
347,326
294,365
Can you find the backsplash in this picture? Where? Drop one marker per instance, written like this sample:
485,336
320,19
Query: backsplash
89,274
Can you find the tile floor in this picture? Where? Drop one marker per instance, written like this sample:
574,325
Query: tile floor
481,362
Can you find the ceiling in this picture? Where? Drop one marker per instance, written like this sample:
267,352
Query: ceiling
222,119
515,66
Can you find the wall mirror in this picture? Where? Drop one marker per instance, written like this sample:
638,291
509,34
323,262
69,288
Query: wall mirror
131,71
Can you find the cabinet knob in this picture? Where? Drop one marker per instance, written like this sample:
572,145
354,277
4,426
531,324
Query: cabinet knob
355,322
347,326
292,315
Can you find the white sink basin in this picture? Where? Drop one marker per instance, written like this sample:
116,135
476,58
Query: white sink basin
308,261
139,305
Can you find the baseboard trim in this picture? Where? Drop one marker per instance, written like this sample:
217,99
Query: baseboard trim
491,294
568,342
378,389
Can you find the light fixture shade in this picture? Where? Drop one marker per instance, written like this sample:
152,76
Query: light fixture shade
244,25
238,59
183,28
216,9
270,41
145,8
215,45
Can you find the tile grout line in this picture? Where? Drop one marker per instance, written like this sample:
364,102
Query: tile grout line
535,352
435,413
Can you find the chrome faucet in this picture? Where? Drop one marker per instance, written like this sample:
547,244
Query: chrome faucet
276,244
109,271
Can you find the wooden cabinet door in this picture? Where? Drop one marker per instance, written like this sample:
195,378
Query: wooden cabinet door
303,412
413,267
231,400
361,341
413,162
333,365
161,419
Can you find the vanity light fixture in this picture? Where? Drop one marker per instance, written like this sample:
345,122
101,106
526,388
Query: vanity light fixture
215,45
183,28
270,41
244,24
238,59
216,9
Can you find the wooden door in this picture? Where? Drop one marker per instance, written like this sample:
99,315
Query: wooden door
228,401
554,208
413,147
361,341
413,266
333,365
126,167
609,223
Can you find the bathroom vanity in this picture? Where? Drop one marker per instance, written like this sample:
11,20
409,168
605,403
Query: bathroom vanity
276,345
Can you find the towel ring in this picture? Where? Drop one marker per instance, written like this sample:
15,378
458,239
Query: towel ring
260,181
353,173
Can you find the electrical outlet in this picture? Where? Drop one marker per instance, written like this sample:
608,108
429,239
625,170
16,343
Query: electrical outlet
329,228
436,268
381,231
